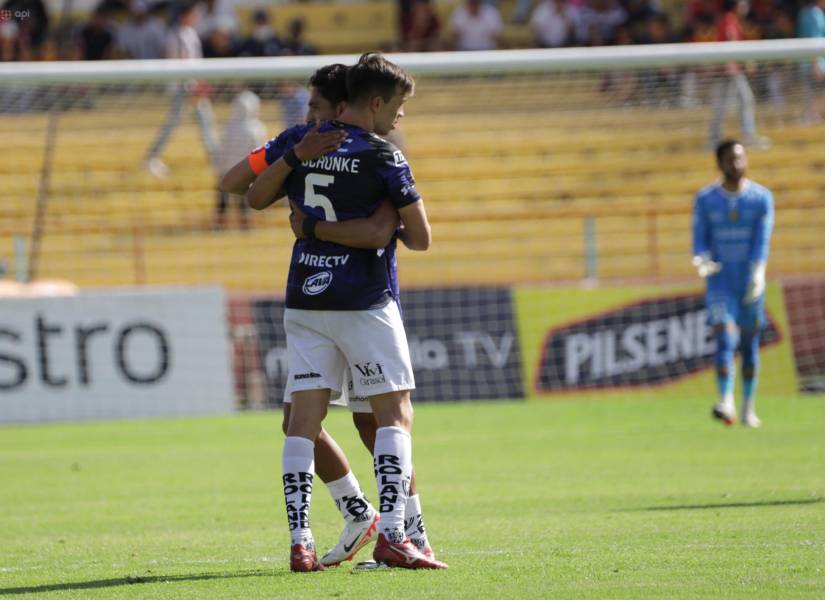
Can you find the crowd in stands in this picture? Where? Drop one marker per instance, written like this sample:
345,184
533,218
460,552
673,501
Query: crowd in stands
140,28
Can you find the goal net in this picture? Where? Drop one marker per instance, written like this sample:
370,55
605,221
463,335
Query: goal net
561,167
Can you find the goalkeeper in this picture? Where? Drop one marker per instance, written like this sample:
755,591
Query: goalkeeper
732,223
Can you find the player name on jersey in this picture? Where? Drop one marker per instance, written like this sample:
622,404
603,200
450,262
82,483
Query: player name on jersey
341,164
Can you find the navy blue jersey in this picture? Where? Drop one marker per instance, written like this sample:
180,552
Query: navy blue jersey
349,183
735,228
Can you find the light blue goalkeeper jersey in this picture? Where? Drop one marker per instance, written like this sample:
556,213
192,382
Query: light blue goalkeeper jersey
735,228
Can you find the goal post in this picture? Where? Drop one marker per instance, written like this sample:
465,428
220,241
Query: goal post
572,168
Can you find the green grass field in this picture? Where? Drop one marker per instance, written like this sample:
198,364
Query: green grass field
613,496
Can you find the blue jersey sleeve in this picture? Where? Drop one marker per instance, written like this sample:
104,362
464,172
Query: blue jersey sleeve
260,158
399,180
762,233
701,231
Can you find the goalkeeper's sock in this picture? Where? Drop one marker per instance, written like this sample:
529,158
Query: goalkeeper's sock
393,470
414,523
298,466
750,369
348,497
725,384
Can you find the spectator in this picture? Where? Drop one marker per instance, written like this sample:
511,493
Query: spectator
183,43
262,40
732,81
811,24
243,132
476,26
220,42
294,99
295,43
97,39
554,23
24,36
639,13
424,33
142,36
599,21
215,13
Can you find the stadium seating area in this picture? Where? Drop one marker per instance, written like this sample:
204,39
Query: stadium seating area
529,191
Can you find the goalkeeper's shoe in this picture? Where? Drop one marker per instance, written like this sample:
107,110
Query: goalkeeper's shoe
302,559
355,536
749,419
403,554
724,413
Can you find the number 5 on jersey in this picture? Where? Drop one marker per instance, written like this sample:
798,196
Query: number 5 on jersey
316,200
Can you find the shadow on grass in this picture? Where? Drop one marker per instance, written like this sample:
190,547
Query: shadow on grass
726,505
106,583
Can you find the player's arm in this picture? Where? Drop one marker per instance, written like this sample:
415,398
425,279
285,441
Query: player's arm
267,186
238,179
415,233
702,261
372,233
759,252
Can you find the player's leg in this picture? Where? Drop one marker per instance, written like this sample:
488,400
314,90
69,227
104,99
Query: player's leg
315,369
360,517
725,409
413,517
375,345
751,319
298,473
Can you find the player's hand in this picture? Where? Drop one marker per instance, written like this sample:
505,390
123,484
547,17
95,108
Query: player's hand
756,285
315,145
706,267
296,220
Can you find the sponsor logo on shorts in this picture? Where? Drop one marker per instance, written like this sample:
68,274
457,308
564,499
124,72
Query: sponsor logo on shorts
371,373
317,283
307,376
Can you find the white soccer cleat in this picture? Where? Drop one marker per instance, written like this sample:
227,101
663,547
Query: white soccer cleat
751,420
355,536
725,413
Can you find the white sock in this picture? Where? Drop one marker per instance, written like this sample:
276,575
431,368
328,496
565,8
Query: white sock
414,523
350,500
393,469
298,468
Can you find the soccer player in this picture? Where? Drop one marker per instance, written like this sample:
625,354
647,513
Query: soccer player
342,314
328,96
732,224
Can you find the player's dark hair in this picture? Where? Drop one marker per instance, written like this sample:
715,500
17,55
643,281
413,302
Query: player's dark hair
723,146
331,83
373,75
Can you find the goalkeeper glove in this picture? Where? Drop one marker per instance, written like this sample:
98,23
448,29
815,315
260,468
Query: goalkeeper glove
705,266
756,285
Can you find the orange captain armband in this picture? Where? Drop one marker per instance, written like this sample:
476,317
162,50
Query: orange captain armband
257,160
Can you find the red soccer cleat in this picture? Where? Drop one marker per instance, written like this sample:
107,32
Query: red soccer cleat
302,560
404,555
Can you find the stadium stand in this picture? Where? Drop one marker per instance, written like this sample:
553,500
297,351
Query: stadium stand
524,182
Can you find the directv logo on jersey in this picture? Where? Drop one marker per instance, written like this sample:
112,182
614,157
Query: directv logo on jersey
317,283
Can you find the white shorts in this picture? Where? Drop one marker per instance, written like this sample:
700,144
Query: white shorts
370,345
356,404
